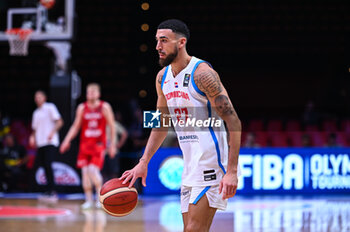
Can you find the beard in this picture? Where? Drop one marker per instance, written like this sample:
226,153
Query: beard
169,59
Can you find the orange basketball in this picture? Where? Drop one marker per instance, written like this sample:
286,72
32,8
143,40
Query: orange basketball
47,3
117,199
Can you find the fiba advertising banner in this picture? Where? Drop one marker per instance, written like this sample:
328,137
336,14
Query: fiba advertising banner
265,170
66,176
295,170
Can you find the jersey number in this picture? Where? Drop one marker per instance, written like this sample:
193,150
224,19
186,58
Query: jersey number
179,112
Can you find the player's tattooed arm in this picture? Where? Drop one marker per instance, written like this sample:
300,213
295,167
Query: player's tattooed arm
223,105
159,78
208,81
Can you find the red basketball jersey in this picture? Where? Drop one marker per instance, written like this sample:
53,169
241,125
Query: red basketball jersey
93,128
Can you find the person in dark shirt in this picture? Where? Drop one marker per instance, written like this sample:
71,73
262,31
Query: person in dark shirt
332,141
4,127
13,164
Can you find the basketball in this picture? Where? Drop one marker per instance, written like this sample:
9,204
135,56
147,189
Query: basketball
47,3
117,199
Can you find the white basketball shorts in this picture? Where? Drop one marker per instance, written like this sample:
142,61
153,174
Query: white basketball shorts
191,195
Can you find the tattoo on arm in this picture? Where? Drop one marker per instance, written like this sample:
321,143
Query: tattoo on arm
159,78
208,82
223,105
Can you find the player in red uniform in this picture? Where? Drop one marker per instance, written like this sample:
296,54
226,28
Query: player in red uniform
92,117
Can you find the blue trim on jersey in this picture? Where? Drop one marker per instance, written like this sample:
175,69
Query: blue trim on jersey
164,75
215,140
201,194
208,64
192,79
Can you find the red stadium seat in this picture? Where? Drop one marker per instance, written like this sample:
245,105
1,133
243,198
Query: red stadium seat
243,137
342,139
256,125
293,126
294,138
345,126
318,138
261,138
330,125
277,139
244,126
311,128
274,125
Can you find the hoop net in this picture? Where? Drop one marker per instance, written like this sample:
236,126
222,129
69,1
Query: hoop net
18,41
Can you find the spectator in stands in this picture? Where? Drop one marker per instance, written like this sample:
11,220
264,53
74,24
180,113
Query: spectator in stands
306,140
332,140
4,126
251,141
13,165
310,116
111,165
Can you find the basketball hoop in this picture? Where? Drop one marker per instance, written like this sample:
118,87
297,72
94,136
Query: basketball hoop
18,41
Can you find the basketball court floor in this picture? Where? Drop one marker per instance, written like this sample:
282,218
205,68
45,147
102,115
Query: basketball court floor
23,213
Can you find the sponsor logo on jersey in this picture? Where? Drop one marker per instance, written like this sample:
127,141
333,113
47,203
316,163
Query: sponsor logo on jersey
185,193
208,171
177,94
176,85
190,137
210,177
93,133
94,115
186,80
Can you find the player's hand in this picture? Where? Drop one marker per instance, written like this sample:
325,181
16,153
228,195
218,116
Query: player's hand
119,145
64,147
32,141
49,138
112,151
228,185
140,170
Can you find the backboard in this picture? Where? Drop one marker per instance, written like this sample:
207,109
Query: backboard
55,24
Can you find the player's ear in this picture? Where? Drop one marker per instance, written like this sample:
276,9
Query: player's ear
182,42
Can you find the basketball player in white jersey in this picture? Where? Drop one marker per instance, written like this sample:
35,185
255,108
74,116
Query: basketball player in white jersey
189,86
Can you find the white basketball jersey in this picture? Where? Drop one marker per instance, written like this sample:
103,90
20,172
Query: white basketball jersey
205,149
